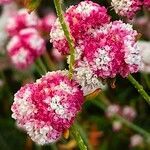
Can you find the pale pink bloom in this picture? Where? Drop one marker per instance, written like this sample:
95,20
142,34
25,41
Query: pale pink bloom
136,140
126,8
129,113
116,125
145,54
25,47
112,110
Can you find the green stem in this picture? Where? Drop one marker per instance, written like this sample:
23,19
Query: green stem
49,62
78,138
139,88
65,28
39,62
67,34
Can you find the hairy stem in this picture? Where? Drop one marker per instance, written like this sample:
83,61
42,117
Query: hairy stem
67,34
78,138
139,88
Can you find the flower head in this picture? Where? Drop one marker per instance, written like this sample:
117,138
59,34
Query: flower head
47,107
21,20
25,47
79,19
112,50
126,8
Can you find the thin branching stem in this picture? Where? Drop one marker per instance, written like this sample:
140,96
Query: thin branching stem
139,88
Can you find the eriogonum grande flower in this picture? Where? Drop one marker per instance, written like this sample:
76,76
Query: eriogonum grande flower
25,47
21,20
79,18
126,8
112,50
5,1
146,3
47,107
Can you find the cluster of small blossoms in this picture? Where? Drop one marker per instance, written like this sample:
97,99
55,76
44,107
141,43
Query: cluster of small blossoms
5,1
126,111
145,54
112,50
103,49
21,20
46,108
147,3
45,24
25,47
126,8
136,140
79,18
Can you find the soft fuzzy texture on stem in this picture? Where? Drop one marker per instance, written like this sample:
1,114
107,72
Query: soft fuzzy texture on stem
67,34
77,136
139,88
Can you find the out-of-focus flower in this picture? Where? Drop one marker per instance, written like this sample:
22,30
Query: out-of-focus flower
129,113
6,12
145,54
25,47
126,8
116,126
46,108
147,3
21,20
5,1
79,18
112,110
57,55
46,23
136,140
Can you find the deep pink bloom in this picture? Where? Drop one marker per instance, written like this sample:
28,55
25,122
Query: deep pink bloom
146,3
21,20
79,18
47,107
5,1
25,47
112,50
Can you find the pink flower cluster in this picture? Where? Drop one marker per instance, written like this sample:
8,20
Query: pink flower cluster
26,44
45,24
126,8
103,49
147,3
5,1
46,108
80,18
25,47
127,111
21,20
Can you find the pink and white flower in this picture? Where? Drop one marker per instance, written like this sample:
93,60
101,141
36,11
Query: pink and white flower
25,47
46,108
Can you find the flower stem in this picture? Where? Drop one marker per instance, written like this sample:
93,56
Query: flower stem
39,62
139,88
78,137
65,28
67,34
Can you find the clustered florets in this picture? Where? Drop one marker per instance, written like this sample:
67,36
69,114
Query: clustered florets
105,48
46,108
5,1
126,8
25,47
147,3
